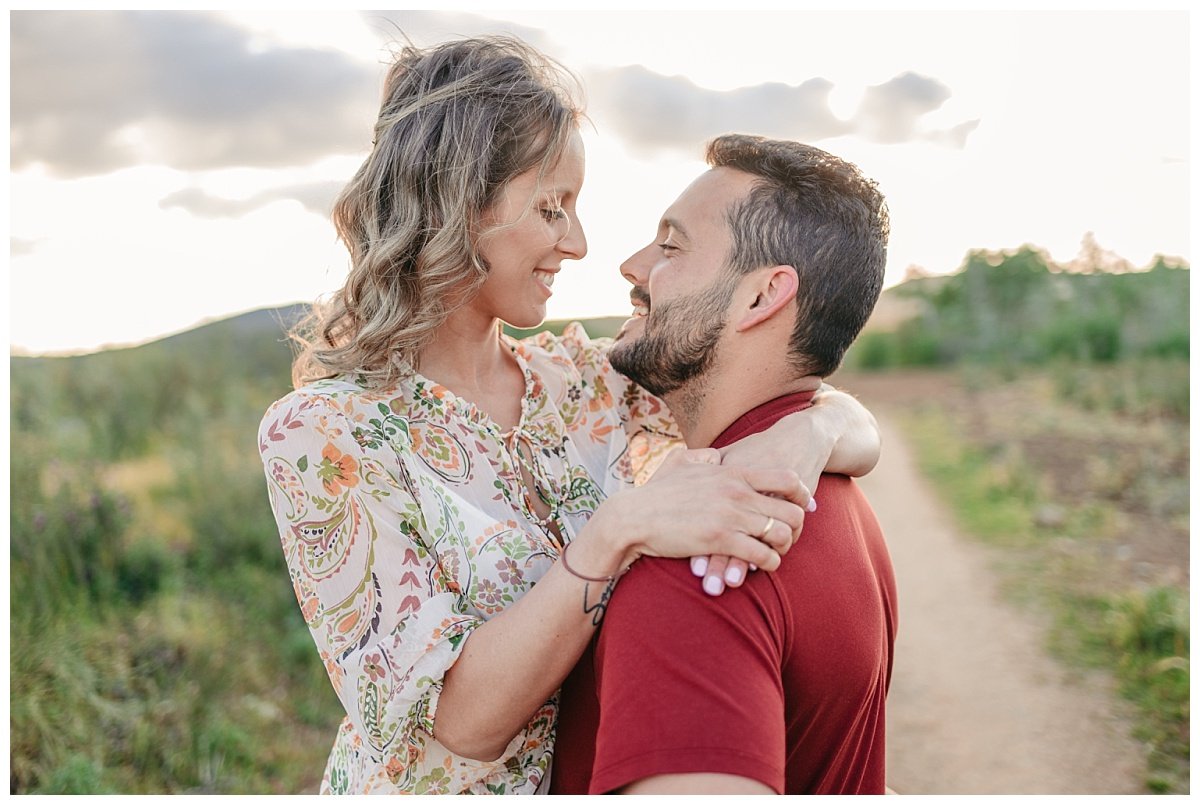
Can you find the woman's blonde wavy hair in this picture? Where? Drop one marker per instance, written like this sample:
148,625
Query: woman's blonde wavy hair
458,121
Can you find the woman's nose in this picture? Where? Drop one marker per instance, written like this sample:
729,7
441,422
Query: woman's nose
574,245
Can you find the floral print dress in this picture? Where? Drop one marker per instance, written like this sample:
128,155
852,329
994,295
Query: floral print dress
406,524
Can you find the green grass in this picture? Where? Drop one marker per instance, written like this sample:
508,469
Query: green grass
1145,636
992,498
187,686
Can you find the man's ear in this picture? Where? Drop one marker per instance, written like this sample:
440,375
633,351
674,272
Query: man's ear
777,287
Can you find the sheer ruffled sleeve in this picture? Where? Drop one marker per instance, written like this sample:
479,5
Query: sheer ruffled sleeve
387,618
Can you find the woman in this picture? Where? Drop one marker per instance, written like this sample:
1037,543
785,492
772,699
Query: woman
428,470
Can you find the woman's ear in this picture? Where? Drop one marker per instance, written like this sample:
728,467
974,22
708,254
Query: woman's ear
777,287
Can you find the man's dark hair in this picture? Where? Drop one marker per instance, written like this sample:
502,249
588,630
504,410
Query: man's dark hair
819,214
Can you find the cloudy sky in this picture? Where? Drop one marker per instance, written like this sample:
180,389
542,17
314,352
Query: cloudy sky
178,166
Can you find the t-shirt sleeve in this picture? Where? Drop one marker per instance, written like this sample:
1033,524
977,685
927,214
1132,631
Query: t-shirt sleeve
688,683
386,620
648,423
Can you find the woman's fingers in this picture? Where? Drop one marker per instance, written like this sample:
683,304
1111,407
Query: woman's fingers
752,551
733,575
777,483
718,572
714,575
776,522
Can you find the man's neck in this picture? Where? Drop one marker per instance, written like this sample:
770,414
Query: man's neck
706,406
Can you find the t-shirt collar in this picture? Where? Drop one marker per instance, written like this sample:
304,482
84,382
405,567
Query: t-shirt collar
764,416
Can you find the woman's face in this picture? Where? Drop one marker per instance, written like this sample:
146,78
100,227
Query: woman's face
530,229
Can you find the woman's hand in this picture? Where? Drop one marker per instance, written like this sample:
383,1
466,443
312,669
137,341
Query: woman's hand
694,505
718,572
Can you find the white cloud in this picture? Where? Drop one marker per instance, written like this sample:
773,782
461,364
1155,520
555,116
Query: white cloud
316,197
652,111
98,91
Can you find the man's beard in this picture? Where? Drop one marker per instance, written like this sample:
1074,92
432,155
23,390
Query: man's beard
678,342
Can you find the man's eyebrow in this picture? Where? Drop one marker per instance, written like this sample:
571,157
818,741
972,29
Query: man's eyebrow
674,224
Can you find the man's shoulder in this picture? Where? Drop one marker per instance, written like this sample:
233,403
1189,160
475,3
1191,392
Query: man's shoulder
839,493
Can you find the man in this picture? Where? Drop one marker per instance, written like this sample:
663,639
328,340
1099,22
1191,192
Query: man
763,272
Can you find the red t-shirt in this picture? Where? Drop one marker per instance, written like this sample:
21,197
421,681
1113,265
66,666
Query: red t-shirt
782,680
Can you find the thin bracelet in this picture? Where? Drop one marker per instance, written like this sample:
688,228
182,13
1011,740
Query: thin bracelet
563,558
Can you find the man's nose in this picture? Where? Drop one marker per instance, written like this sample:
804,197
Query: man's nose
636,267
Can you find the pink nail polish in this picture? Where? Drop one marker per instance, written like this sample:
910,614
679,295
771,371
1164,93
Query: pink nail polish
753,566
812,505
713,585
699,565
733,575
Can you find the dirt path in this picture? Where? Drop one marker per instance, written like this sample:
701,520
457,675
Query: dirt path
976,705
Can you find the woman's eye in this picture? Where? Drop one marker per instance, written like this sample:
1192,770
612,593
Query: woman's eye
552,214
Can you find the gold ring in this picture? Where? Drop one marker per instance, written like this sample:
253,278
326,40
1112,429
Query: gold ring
767,528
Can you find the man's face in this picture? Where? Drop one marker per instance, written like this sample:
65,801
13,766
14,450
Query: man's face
682,287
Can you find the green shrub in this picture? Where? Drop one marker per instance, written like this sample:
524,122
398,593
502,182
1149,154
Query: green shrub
871,351
144,568
1152,623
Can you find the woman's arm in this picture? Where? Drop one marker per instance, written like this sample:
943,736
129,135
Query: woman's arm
510,665
837,434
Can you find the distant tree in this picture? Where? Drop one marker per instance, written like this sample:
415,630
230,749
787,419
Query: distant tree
1018,306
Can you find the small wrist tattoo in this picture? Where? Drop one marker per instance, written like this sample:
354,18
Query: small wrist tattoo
598,609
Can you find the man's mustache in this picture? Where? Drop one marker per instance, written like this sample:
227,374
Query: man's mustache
638,295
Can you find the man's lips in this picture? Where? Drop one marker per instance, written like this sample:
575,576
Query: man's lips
640,301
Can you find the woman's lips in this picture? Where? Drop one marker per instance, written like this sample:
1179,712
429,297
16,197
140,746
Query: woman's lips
545,279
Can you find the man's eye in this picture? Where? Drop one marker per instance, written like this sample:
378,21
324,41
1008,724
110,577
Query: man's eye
668,248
